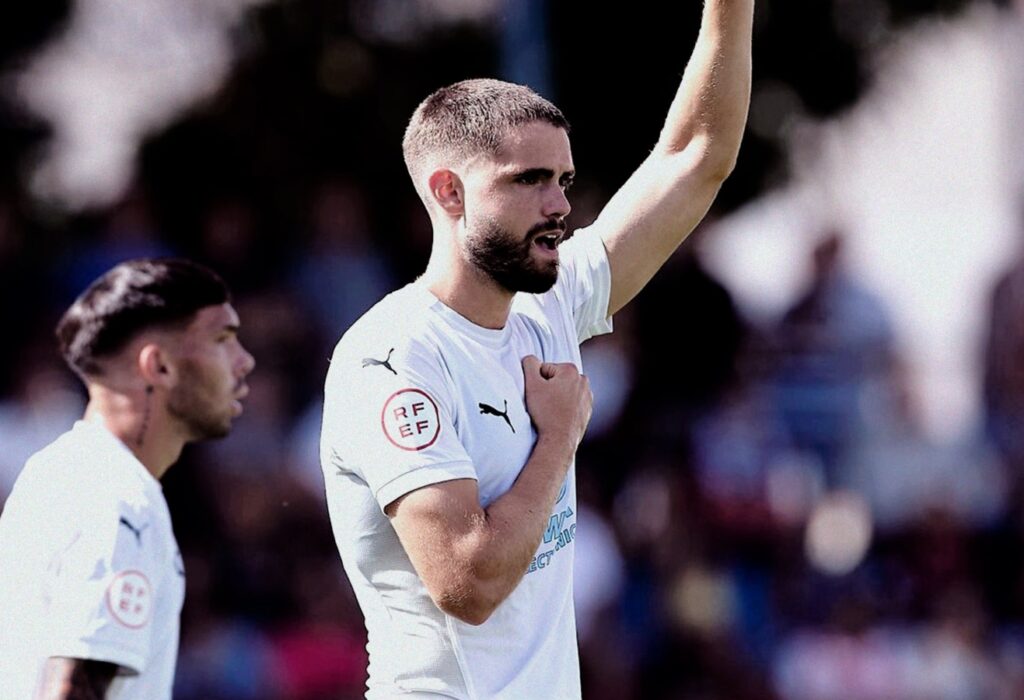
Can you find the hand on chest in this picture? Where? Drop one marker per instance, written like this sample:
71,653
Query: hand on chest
492,421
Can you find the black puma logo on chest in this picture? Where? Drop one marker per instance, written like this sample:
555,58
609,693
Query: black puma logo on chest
488,410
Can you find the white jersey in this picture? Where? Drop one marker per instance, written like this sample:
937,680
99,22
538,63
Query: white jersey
89,568
416,395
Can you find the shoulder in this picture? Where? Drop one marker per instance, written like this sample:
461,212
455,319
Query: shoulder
582,254
57,469
81,473
398,337
72,492
392,355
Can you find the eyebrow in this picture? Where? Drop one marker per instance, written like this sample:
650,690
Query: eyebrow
546,173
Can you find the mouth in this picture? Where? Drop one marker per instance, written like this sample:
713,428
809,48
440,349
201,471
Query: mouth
236,403
549,241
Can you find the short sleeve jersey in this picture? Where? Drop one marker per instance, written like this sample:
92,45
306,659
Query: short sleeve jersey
417,395
89,568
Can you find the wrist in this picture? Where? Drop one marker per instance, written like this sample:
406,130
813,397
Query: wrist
557,444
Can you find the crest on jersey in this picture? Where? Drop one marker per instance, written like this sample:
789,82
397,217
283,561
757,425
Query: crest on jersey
130,599
410,420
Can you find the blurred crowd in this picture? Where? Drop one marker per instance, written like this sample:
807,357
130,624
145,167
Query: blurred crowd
762,515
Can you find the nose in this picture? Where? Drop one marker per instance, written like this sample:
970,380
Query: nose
556,204
246,364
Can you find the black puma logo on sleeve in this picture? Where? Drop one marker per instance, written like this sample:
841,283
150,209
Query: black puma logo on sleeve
386,362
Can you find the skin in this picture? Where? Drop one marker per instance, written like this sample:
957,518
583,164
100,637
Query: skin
519,191
165,389
213,366
522,189
75,679
470,558
170,387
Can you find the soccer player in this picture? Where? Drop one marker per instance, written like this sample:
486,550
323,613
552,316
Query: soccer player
91,579
454,407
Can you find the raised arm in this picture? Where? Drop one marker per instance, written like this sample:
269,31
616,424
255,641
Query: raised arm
469,558
673,188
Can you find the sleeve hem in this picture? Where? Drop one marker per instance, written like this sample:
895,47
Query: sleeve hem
598,255
133,662
421,476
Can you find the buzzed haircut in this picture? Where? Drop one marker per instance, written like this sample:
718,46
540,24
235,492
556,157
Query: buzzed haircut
134,296
471,117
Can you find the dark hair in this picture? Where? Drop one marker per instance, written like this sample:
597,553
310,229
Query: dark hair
132,297
470,117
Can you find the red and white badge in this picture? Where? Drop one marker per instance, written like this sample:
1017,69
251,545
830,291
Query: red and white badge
410,420
130,599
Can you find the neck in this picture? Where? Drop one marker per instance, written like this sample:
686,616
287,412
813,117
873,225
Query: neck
462,287
141,423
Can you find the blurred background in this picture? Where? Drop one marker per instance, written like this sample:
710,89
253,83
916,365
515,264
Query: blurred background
803,477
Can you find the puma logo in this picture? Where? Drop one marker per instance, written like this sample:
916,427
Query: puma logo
386,362
137,531
492,411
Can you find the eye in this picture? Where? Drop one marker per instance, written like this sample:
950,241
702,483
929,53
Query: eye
528,178
567,184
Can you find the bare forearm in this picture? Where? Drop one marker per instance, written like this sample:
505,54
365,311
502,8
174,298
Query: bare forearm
75,679
518,518
671,191
470,558
713,97
495,554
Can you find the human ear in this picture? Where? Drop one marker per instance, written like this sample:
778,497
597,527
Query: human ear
446,189
155,366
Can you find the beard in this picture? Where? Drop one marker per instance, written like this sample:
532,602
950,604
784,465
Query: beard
192,403
508,261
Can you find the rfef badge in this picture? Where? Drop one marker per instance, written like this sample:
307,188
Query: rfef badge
410,420
130,599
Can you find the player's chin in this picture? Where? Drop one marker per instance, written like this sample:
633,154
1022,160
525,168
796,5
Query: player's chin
234,410
208,431
218,430
546,266
542,279
215,427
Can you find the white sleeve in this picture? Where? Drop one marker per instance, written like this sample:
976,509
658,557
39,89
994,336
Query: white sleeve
103,587
392,426
585,283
